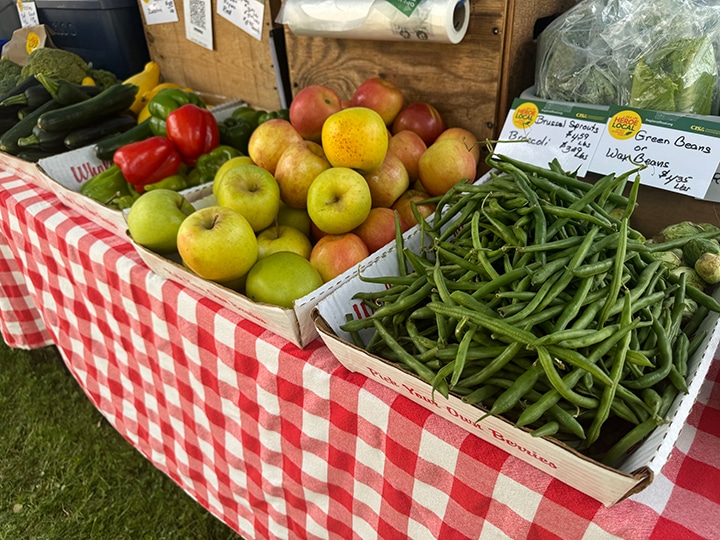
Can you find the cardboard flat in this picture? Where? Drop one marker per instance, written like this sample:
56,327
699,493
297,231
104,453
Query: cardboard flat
605,484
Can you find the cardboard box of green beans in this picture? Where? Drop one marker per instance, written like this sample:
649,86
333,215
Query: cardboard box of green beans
554,317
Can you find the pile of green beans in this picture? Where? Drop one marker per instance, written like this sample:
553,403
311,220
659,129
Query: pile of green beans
534,298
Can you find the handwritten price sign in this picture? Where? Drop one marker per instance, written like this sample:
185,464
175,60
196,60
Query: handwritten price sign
537,132
681,153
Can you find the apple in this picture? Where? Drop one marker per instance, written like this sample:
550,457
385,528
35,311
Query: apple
388,181
310,108
338,200
269,140
155,217
378,228
225,167
333,254
422,118
466,136
281,278
356,138
252,191
297,167
217,243
404,208
380,95
408,146
295,217
444,164
283,238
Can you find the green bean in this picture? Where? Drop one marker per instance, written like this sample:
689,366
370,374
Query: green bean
665,356
481,394
680,354
546,430
461,356
550,269
617,273
512,395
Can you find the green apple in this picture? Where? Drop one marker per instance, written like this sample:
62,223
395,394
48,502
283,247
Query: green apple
338,200
217,243
295,217
252,191
281,278
225,167
155,217
283,238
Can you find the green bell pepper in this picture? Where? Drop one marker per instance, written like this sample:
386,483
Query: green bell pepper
270,115
247,113
235,132
208,164
176,182
165,102
106,186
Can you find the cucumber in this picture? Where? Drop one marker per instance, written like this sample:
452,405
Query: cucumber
111,125
105,148
24,127
114,99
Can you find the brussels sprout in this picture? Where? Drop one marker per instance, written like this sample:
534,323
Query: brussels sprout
691,276
677,230
670,259
696,247
708,267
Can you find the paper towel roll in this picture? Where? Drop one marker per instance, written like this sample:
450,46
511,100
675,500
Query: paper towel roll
438,21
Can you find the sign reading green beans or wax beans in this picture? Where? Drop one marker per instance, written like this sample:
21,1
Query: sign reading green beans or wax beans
536,299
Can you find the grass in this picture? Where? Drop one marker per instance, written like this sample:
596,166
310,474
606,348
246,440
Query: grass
65,473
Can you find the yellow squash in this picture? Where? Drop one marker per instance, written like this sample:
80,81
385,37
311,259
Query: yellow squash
145,80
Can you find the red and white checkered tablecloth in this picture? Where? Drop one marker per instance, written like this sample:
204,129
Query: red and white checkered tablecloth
280,442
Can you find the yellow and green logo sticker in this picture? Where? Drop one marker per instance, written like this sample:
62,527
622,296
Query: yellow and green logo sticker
525,115
624,125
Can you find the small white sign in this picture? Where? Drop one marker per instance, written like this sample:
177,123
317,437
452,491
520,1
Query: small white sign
538,132
27,11
245,14
159,11
681,153
198,22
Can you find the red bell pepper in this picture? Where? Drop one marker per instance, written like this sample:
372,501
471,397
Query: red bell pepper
193,130
147,161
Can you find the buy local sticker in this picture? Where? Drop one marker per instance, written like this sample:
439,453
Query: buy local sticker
538,131
680,153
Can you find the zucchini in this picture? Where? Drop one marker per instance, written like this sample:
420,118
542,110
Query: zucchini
105,148
34,154
32,98
24,127
65,92
114,99
111,125
45,140
20,87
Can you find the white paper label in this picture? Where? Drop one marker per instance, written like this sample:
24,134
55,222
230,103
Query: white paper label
537,132
27,11
681,153
245,14
198,22
159,11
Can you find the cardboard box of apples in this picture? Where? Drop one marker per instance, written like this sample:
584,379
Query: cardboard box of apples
315,196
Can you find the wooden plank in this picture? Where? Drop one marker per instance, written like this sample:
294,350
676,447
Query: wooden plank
239,67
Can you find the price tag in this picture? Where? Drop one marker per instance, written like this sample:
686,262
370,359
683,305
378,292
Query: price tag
245,14
159,11
681,153
538,131
27,11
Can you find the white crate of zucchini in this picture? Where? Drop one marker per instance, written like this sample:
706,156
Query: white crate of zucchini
534,298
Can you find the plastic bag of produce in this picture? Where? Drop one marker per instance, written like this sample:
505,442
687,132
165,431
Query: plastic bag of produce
660,55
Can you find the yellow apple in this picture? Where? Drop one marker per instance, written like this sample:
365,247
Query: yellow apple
283,238
269,140
252,191
444,164
338,200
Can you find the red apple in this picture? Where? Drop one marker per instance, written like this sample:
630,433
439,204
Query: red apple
422,118
388,181
335,253
466,136
408,146
310,108
296,169
380,95
402,205
378,228
444,164
269,140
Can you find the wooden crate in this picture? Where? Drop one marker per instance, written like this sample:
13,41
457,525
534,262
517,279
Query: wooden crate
472,83
239,66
